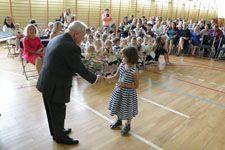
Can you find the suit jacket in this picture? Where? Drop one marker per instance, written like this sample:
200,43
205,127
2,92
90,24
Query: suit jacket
62,60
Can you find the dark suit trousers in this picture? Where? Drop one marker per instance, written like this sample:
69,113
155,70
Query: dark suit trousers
56,115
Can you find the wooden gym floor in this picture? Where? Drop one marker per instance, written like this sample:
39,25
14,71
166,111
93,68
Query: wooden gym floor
181,107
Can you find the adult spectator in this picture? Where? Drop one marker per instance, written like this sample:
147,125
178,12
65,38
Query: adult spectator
217,34
131,19
185,36
9,27
57,29
171,36
107,18
158,28
33,48
68,17
49,29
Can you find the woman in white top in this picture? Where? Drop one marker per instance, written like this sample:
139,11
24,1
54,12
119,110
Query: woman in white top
68,17
9,27
158,28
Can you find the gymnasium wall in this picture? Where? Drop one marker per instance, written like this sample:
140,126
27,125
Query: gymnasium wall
90,11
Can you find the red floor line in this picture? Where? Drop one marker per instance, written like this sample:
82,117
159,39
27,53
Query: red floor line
186,81
200,64
209,68
22,86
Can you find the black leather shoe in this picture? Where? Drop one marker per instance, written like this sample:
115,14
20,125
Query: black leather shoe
67,130
67,141
125,130
116,124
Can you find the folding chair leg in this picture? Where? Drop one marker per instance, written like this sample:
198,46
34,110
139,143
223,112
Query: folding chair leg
9,52
24,69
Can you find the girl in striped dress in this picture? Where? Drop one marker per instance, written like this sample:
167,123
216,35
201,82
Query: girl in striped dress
123,102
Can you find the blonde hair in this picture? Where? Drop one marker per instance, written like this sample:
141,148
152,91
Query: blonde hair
50,23
28,27
56,26
90,49
139,39
197,29
98,41
107,42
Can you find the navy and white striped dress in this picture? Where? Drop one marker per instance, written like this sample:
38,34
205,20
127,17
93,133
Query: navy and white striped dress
123,101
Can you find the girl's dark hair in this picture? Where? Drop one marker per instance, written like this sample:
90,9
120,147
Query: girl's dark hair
116,40
158,43
174,24
12,25
132,54
32,21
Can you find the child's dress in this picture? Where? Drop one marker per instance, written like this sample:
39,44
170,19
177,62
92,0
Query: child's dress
123,101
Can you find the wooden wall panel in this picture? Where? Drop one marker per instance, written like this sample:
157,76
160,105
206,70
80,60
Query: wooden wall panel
83,10
4,11
55,8
115,11
50,10
94,13
124,10
39,12
21,16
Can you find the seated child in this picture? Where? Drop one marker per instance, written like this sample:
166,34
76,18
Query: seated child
148,49
117,49
93,61
111,57
124,43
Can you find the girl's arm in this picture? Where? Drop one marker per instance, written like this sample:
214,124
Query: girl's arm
132,86
112,51
116,75
106,53
65,20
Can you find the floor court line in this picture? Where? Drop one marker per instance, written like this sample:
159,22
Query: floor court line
201,80
164,107
111,121
9,72
202,67
213,67
25,86
205,65
186,81
181,92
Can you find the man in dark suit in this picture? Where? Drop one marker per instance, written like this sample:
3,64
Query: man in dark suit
62,60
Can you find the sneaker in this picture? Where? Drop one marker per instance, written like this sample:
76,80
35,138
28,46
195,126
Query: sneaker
116,124
168,63
125,130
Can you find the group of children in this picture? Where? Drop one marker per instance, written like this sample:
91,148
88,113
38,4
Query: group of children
103,55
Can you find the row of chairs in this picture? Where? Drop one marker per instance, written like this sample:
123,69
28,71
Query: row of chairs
205,47
7,37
